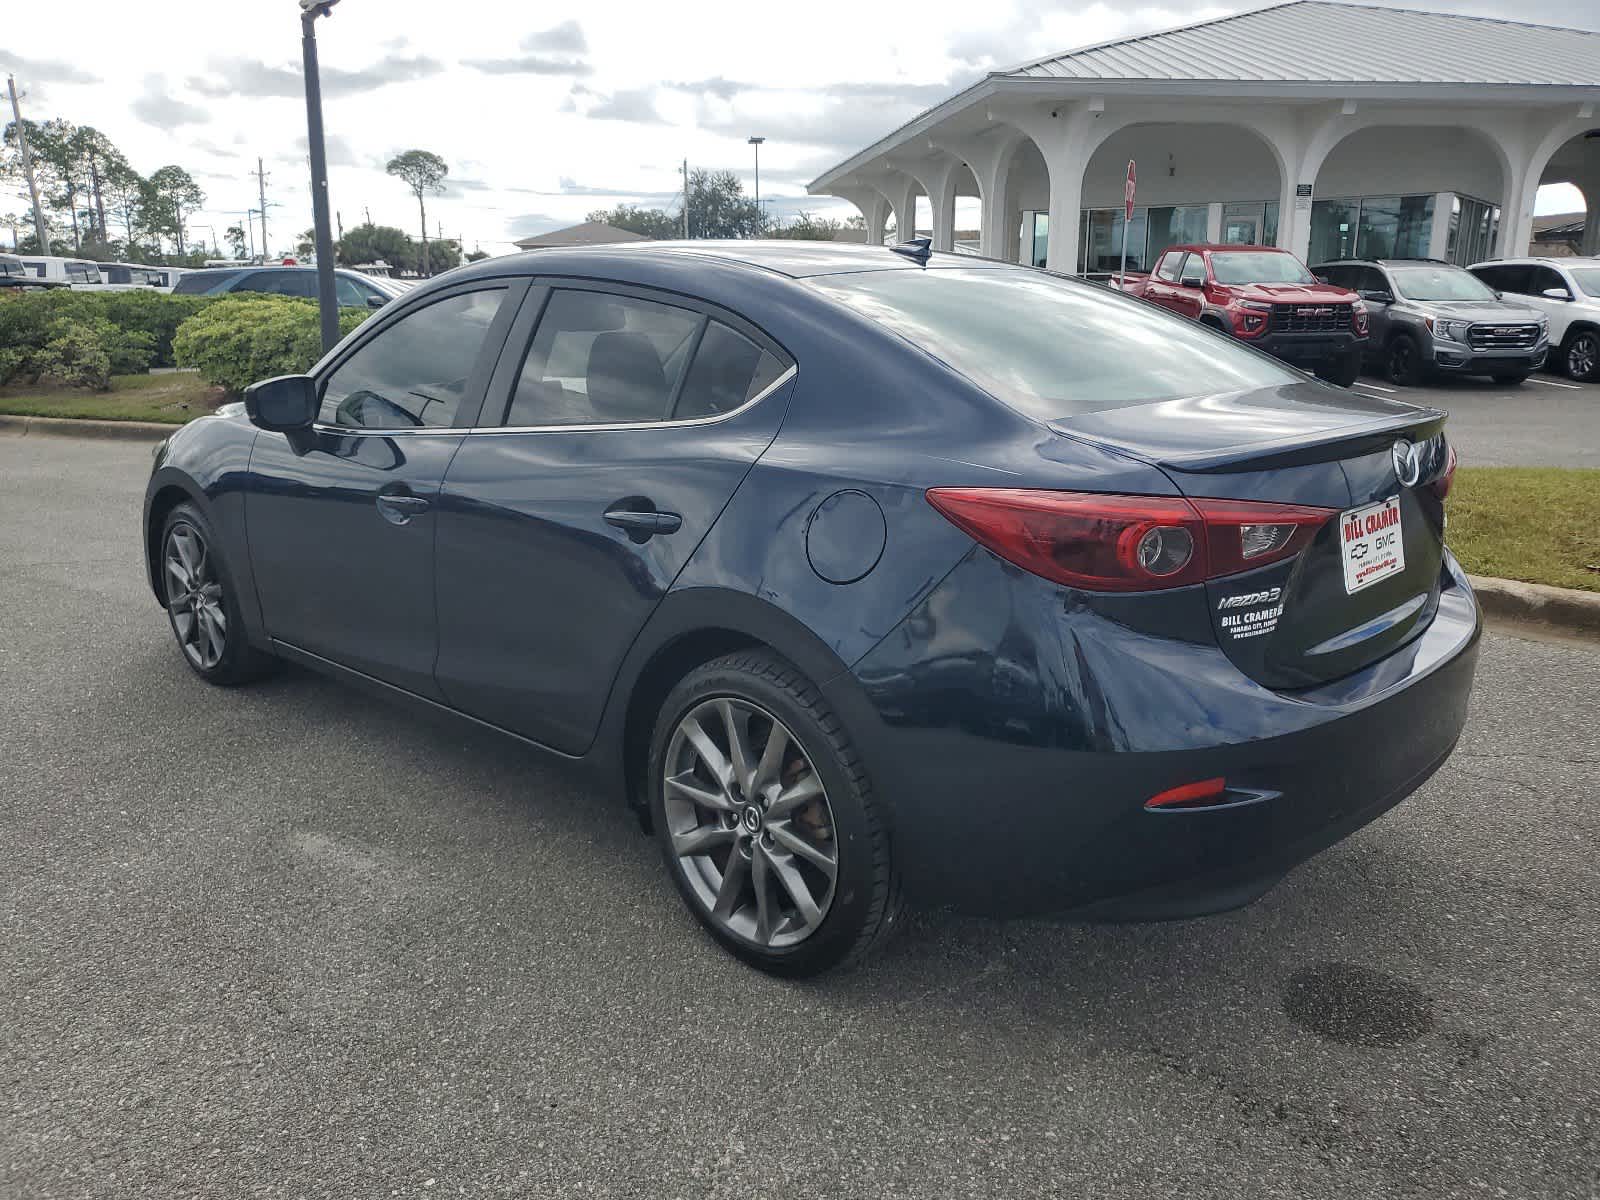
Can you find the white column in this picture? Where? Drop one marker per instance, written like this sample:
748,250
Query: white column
992,238
1590,187
877,218
1214,222
1439,235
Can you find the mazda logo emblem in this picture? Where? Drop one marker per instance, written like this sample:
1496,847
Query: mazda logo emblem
1407,462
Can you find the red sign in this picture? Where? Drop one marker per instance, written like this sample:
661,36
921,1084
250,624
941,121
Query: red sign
1127,193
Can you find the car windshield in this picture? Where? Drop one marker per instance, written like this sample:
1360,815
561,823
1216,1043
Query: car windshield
1587,279
1258,266
12,266
1052,347
1439,283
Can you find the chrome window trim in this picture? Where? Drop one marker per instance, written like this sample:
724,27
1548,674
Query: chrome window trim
789,373
362,431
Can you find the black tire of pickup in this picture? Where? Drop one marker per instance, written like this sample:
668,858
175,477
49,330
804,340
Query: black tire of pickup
1403,361
1343,370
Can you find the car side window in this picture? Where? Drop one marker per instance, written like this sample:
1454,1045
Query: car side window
1370,279
349,294
1194,272
1545,277
1506,278
728,370
1167,268
413,373
599,358
1339,276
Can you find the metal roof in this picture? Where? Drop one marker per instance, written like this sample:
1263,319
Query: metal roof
1315,41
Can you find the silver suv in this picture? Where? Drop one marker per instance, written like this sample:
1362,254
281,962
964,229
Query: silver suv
1428,316
1567,290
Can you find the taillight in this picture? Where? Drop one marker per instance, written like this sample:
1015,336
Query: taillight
1441,484
1127,543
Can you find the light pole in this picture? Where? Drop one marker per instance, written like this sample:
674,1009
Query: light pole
310,10
756,142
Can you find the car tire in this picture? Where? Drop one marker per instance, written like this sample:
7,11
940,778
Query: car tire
1342,371
1403,361
1515,379
206,620
1580,355
756,880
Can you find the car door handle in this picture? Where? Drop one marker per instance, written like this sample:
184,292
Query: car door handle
643,523
399,509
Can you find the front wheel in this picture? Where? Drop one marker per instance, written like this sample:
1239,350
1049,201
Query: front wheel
766,818
1403,362
1580,356
202,606
1343,371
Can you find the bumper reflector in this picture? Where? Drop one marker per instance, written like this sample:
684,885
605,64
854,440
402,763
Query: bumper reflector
1191,795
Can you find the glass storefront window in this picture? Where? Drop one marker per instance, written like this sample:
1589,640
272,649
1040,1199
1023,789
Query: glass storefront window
1103,246
1333,230
1395,227
1180,226
1269,224
1474,226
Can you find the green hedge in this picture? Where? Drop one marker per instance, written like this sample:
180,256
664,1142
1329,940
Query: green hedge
82,338
237,340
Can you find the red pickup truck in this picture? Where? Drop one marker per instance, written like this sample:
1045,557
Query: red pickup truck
1264,296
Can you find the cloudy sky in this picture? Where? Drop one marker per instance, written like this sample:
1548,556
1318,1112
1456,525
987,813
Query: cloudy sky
545,111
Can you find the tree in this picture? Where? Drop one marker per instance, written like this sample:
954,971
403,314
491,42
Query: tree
306,244
477,256
718,208
372,243
807,228
234,235
423,172
174,193
125,191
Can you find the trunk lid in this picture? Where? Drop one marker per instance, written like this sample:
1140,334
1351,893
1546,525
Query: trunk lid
1304,621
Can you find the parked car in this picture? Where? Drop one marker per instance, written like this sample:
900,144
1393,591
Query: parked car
73,272
1567,291
1264,296
1429,316
354,289
122,277
166,278
15,276
859,572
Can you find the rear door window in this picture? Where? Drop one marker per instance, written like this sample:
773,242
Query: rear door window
729,370
1167,268
1506,277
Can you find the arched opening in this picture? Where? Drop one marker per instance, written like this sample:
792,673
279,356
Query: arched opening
1397,191
1197,182
1565,221
1024,206
967,218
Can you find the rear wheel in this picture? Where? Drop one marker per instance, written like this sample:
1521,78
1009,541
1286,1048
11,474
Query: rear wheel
1580,355
202,605
1344,370
1403,362
766,818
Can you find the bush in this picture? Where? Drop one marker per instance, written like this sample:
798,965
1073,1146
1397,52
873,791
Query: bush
77,353
237,340
134,328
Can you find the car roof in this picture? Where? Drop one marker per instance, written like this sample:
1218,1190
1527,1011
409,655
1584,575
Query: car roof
795,259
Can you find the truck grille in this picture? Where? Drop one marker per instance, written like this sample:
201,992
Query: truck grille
1309,318
1502,337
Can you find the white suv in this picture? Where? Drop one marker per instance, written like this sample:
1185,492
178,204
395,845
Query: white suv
1567,290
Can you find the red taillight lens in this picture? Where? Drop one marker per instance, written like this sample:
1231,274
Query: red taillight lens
1190,795
1441,485
1127,543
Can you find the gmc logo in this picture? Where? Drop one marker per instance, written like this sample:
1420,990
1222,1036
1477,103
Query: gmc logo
1507,330
1313,312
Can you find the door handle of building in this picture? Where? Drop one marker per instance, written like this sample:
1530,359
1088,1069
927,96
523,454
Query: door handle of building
399,508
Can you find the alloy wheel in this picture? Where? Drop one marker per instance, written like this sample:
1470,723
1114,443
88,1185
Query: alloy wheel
194,597
1400,358
750,822
1582,355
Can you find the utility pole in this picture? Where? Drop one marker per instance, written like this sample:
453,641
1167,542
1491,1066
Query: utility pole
27,168
368,211
261,181
686,199
327,298
756,142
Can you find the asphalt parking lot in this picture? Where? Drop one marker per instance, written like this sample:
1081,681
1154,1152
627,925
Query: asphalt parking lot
1547,421
288,942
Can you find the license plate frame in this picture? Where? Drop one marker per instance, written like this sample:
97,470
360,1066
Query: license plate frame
1371,545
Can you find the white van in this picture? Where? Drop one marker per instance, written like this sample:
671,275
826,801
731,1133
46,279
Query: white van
166,277
125,277
77,272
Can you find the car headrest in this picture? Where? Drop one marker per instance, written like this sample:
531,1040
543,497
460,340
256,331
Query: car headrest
625,378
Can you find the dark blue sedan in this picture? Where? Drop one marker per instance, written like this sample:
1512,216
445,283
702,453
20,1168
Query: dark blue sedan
860,573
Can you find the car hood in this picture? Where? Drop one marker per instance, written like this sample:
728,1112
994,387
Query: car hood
1480,311
1293,293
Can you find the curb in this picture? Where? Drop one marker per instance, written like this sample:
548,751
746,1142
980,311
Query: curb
1566,609
133,431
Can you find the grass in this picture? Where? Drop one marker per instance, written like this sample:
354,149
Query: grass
1536,524
171,399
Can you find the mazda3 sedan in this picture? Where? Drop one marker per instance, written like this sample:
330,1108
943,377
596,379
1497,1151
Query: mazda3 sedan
861,574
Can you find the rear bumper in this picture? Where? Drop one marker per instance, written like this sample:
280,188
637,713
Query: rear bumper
1002,808
1308,347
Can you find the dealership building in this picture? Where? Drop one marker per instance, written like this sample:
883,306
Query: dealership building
1333,130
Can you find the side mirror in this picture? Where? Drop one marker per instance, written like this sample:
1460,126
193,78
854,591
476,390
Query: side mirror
377,301
1376,295
282,405
1557,293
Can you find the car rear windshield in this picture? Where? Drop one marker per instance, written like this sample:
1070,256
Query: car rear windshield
198,283
1236,267
1053,347
1439,283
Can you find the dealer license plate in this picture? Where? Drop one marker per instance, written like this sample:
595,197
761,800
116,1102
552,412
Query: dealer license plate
1371,543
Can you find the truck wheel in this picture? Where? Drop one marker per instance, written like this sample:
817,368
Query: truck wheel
1403,363
1343,371
1580,355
